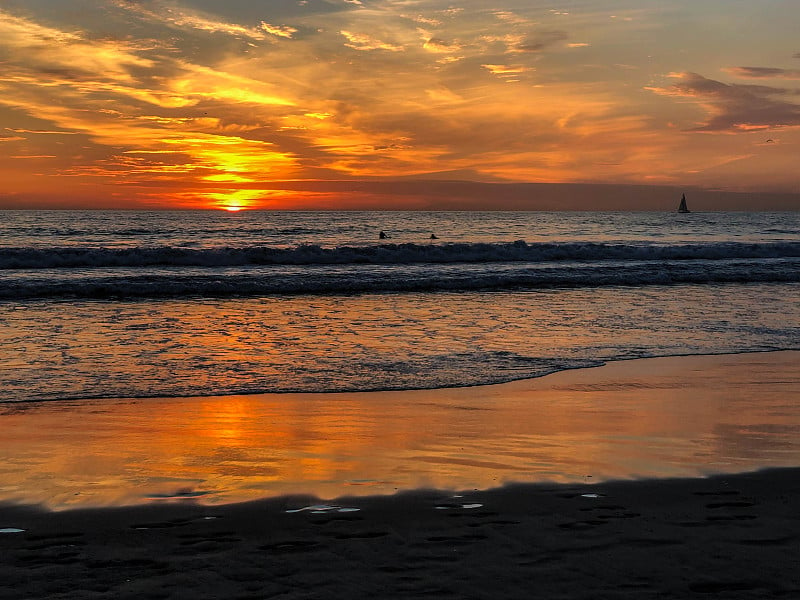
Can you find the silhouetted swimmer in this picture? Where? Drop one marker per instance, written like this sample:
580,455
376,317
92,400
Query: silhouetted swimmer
382,235
434,237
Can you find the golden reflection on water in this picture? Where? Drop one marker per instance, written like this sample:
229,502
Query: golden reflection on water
653,418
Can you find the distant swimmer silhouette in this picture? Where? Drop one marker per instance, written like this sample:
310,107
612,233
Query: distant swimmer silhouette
382,235
433,236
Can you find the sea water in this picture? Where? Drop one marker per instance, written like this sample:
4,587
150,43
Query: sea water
102,304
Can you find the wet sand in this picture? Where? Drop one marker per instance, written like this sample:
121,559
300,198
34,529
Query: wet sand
654,418
722,537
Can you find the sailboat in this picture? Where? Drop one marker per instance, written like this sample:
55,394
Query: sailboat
682,208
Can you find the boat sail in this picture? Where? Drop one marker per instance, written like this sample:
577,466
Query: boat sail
682,208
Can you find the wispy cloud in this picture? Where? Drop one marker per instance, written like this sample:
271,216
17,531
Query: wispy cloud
734,107
511,17
506,70
32,156
763,73
40,131
365,42
173,15
283,31
541,41
50,51
439,45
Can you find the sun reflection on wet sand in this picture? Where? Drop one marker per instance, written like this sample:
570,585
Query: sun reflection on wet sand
665,417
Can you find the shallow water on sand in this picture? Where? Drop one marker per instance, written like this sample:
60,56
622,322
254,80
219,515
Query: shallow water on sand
681,416
89,349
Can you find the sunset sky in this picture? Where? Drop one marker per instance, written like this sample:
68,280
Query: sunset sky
287,103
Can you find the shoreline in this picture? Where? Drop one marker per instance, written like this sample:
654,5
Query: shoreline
725,536
655,418
600,364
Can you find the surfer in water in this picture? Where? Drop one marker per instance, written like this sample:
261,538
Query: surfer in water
382,235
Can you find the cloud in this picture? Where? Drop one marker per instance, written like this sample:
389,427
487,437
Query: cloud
763,73
442,46
422,20
132,102
506,70
39,131
70,54
283,31
362,41
734,107
200,82
172,15
510,17
541,41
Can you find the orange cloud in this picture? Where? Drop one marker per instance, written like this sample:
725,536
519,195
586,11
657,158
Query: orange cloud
362,41
733,107
47,50
173,15
506,70
283,31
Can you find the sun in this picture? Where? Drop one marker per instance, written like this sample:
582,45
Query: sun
232,200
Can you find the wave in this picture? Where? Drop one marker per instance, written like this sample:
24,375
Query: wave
380,279
384,254
149,232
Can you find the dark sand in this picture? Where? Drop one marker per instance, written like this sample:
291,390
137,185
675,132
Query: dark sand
731,536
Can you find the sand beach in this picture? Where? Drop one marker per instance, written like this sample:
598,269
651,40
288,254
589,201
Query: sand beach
721,537
726,535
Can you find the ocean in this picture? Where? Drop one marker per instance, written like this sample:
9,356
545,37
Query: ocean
104,304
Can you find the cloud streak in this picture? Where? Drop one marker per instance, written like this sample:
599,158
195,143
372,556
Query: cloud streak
763,73
177,17
735,107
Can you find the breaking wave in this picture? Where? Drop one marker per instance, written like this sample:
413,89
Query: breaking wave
351,279
385,254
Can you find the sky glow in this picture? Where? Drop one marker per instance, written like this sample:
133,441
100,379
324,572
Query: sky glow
286,103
